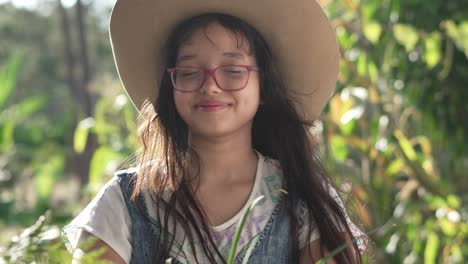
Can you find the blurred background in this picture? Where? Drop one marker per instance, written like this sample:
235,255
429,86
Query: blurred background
394,136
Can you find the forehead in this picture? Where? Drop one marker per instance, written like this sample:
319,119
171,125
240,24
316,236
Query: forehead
214,36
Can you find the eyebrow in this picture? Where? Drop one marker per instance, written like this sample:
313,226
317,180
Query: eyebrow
234,55
225,54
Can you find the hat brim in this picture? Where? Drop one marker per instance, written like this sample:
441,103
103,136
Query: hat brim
299,34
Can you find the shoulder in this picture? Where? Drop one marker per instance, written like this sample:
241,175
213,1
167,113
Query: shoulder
109,192
105,217
125,174
109,199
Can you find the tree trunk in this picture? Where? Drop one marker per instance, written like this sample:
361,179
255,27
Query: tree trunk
68,52
84,57
80,163
91,144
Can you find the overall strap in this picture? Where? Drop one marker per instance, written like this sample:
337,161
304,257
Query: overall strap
144,243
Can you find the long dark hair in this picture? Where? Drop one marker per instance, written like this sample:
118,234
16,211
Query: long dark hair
278,132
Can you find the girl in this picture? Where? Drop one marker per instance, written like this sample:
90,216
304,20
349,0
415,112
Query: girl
228,91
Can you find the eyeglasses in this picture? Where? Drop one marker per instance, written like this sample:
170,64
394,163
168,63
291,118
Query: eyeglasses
226,77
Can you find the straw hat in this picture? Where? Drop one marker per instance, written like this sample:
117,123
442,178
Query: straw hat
298,32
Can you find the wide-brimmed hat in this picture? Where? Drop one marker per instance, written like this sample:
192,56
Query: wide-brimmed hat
298,32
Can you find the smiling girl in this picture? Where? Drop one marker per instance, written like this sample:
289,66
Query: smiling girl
228,92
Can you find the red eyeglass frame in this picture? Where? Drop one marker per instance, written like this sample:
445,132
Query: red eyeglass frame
211,72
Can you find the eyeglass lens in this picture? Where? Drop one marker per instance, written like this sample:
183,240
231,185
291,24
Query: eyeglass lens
226,77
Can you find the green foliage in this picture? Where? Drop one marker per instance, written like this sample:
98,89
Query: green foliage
406,35
7,83
116,136
46,177
102,158
385,134
459,34
81,134
46,160
41,243
8,79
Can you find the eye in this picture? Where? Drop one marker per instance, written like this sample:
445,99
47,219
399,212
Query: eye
233,70
187,73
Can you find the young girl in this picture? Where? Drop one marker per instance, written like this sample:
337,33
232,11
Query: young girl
228,91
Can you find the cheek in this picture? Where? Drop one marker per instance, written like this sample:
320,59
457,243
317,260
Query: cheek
254,92
255,86
181,103
249,100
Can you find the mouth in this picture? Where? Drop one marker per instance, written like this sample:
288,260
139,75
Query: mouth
212,107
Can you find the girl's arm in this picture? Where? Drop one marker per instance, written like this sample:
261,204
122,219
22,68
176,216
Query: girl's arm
314,248
109,254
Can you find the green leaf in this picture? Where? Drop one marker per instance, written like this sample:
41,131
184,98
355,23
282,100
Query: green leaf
436,202
432,248
346,39
459,34
373,72
6,135
47,176
339,149
417,170
250,249
406,145
451,28
362,64
448,227
235,241
372,31
457,253
102,126
130,117
432,49
369,8
81,134
348,127
463,40
396,166
406,35
8,79
453,201
24,109
102,158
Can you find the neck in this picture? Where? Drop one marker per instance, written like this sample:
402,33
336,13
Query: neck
225,160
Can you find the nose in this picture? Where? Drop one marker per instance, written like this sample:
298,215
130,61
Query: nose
209,84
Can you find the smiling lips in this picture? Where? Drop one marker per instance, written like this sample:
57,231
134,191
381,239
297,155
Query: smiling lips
211,105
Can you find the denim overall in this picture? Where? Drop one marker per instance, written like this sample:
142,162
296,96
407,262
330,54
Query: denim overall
273,245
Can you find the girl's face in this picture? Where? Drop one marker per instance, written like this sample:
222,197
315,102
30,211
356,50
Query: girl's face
211,48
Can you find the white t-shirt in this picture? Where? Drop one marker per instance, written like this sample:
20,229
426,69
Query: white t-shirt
107,218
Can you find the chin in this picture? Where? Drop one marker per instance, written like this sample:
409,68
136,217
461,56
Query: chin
219,128
212,132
